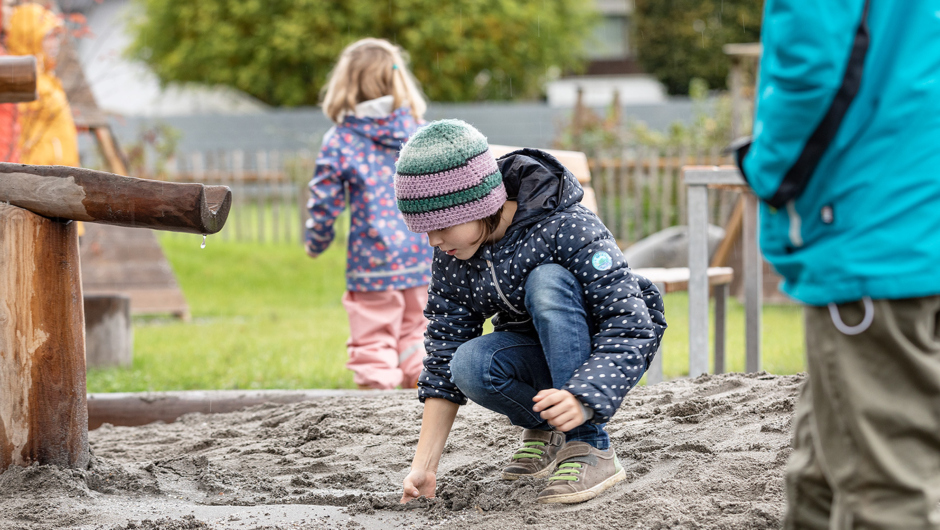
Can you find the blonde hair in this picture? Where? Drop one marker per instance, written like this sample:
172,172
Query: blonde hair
368,69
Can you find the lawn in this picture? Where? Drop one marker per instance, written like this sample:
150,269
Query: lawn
264,315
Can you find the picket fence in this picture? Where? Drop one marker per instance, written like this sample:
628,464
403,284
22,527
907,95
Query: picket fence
639,191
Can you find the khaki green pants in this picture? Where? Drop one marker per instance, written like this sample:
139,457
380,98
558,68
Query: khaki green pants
866,433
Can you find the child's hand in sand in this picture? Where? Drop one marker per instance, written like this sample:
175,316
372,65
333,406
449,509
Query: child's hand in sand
559,408
419,483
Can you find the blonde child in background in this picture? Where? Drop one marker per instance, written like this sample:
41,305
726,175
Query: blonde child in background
376,106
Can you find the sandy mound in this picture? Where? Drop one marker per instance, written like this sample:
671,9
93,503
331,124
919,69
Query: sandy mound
704,453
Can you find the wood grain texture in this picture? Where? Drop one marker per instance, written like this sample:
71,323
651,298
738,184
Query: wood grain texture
17,78
43,409
96,196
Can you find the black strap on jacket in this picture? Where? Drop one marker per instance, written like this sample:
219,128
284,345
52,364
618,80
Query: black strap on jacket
797,177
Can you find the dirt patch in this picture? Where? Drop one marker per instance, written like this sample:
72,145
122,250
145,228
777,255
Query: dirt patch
704,453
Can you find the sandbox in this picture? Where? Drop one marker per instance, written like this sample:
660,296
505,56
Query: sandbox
704,453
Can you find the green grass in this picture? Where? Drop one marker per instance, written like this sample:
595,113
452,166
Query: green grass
264,315
781,340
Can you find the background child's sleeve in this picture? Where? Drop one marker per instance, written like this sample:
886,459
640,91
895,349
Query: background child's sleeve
327,199
449,325
629,318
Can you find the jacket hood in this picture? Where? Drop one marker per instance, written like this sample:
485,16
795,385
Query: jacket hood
539,184
29,24
391,131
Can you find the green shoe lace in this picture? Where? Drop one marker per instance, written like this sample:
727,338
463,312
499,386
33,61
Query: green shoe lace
567,471
529,450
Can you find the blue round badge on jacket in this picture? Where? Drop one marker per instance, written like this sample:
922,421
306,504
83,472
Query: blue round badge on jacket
602,261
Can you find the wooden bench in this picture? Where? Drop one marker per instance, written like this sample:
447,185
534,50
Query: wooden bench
698,180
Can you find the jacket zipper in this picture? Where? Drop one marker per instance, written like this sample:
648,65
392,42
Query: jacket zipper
498,290
796,225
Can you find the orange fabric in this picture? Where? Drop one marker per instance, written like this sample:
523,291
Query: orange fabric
47,130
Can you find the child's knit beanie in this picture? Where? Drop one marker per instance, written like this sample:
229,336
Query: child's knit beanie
446,176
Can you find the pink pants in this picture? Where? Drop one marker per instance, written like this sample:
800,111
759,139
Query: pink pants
386,343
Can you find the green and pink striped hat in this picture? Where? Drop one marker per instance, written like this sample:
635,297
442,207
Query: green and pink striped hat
446,176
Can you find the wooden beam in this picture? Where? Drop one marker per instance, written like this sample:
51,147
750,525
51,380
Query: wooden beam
110,150
17,78
732,234
43,410
95,196
132,409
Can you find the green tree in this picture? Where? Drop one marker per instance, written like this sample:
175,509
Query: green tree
281,51
678,40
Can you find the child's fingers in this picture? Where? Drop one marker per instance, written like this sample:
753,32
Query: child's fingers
409,491
555,412
542,394
407,496
563,417
569,420
548,400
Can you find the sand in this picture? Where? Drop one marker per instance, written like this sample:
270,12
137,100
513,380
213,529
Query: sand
704,453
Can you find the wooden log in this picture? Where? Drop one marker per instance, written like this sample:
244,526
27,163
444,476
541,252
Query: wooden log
95,196
43,410
132,409
17,78
109,339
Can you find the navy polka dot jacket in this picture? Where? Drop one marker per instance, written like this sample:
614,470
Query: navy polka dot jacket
550,226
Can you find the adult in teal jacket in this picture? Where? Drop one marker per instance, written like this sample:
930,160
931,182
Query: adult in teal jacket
846,159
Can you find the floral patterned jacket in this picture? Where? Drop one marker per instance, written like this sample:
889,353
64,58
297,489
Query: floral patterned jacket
359,156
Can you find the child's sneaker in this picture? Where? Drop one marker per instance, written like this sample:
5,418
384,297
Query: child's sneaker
583,473
536,457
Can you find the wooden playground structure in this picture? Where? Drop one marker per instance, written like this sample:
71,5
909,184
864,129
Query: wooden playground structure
43,404
43,408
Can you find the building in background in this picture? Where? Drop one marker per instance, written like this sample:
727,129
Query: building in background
612,66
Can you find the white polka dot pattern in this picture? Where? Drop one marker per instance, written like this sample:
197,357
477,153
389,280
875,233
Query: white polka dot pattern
626,310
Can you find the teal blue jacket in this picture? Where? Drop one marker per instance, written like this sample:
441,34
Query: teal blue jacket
846,148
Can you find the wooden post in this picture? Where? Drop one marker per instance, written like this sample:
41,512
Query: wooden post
109,335
17,78
721,327
43,412
698,279
753,283
43,408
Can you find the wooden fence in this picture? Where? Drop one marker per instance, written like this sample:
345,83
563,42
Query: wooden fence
641,191
638,192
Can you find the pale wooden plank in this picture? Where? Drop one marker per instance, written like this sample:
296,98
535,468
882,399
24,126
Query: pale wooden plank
753,284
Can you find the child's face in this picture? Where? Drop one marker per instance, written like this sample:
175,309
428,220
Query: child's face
460,241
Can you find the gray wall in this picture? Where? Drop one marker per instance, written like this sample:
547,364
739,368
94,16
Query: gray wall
520,124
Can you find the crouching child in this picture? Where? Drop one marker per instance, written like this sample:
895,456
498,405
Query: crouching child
574,328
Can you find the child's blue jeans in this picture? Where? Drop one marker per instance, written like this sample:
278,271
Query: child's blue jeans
502,371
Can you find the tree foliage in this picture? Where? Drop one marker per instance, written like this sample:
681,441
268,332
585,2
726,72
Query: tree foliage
281,51
678,40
